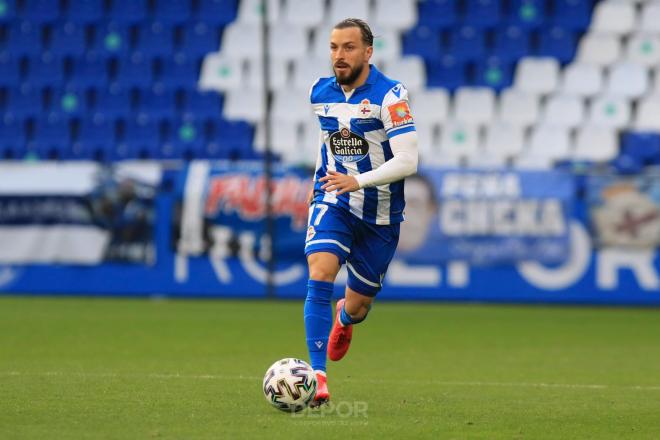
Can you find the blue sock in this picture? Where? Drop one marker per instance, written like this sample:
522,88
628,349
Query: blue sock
346,319
318,321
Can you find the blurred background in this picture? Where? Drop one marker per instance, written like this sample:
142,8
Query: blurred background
166,147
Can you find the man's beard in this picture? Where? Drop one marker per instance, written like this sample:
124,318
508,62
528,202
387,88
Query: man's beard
351,77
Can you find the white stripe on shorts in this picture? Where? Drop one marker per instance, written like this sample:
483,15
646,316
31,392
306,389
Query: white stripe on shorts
327,240
360,277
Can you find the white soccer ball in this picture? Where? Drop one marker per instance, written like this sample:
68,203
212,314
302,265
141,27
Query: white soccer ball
290,384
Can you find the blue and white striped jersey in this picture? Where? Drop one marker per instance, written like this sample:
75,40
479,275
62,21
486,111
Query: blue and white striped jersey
355,134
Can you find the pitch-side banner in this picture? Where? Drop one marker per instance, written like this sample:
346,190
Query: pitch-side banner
625,211
77,213
486,217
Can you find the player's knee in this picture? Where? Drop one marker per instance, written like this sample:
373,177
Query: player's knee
319,272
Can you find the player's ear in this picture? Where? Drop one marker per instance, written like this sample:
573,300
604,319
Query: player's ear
370,52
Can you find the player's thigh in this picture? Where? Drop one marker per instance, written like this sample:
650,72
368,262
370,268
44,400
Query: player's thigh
328,234
370,258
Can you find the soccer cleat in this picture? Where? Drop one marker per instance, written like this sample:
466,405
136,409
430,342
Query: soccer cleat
322,395
340,336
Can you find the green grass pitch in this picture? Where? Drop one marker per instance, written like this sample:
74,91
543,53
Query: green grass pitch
74,368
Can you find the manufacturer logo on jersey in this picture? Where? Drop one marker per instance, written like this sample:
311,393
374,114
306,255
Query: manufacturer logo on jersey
364,109
347,146
326,108
400,114
397,90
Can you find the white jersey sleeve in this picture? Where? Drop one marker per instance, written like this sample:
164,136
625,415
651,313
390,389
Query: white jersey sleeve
395,112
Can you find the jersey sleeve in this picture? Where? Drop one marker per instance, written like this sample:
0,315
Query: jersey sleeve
395,112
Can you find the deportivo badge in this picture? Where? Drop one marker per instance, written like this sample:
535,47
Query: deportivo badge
364,109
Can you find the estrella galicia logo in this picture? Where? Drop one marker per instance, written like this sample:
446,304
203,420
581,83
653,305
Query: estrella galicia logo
347,146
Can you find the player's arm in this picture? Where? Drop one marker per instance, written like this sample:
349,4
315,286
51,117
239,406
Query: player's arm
310,198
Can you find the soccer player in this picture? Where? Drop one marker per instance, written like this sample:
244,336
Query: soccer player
368,145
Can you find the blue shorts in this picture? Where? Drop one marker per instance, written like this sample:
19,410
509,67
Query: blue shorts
367,249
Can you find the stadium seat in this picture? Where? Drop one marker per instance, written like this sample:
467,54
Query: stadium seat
582,80
410,70
448,73
113,102
430,106
46,70
70,102
24,39
646,118
172,11
645,146
228,139
128,11
51,138
340,10
437,14
96,138
307,14
650,17
511,43
91,71
12,138
563,111
199,38
8,12
288,42
573,14
136,71
247,105
185,141
610,111
41,11
459,140
427,141
494,73
600,49
85,11
285,139
614,17
485,160
179,71
112,39
387,47
158,102
68,39
644,49
217,12
308,70
290,106
155,39
467,43
395,16
423,41
529,161
527,13
595,143
242,41
10,71
221,73
279,75
24,102
482,13
537,75
251,12
550,142
626,79
504,140
202,104
474,105
518,108
141,139
557,42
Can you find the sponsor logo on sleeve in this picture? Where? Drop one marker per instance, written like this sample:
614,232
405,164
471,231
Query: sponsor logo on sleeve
400,114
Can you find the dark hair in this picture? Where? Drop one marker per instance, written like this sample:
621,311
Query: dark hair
367,35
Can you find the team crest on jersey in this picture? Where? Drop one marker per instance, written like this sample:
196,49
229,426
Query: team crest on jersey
364,109
311,232
347,146
400,114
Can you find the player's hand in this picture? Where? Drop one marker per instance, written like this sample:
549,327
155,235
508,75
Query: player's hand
343,183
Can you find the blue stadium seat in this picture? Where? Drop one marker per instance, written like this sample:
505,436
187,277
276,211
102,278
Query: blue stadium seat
91,71
199,38
494,73
25,102
179,71
573,14
141,139
135,71
85,11
203,104
7,11
557,42
155,39
10,71
24,39
113,102
228,139
529,14
437,14
448,73
68,39
128,11
41,11
482,13
423,41
644,146
97,138
172,11
185,141
158,102
51,137
70,102
46,70
112,39
627,164
12,138
467,43
512,43
218,12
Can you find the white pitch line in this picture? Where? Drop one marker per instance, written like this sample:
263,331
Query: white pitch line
381,381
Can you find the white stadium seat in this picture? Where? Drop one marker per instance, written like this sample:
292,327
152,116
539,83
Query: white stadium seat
288,42
387,46
528,161
341,9
595,143
220,73
582,80
628,80
278,70
550,141
399,15
410,70
609,111
304,13
518,108
537,75
504,140
291,105
474,105
243,41
245,104
308,70
485,160
431,105
426,140
459,139
648,114
563,111
617,17
251,11
650,17
599,48
644,49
